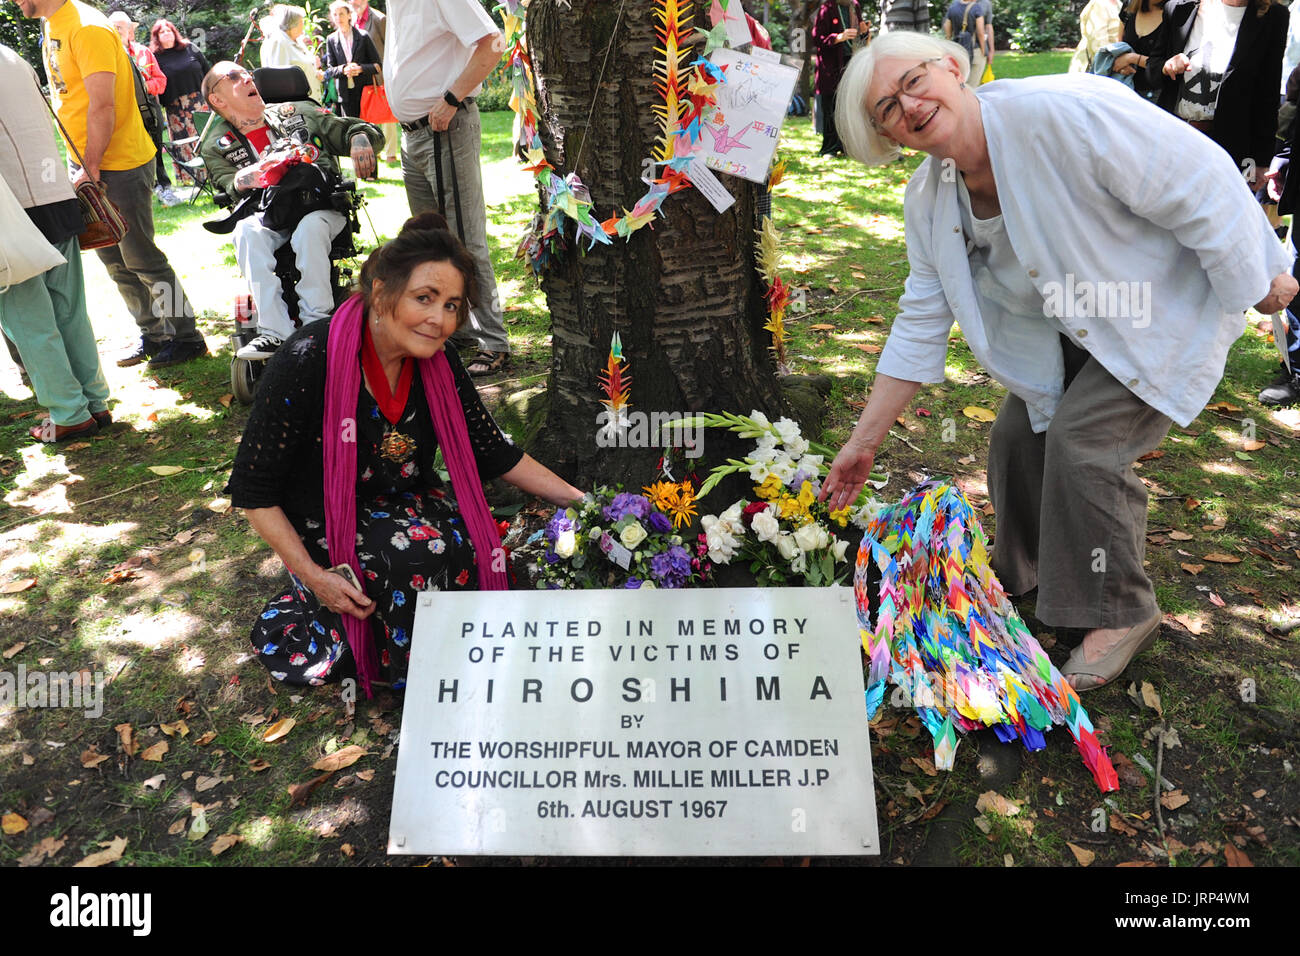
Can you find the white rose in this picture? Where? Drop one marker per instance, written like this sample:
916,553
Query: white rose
632,535
766,526
841,548
732,514
810,537
566,544
785,546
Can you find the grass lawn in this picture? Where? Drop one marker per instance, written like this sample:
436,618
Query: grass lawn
153,581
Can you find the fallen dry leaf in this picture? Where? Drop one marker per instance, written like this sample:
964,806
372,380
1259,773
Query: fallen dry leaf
1149,456
366,775
993,801
92,758
219,505
1151,698
1192,568
1192,624
870,349
207,738
13,587
1219,558
1085,857
821,327
345,757
177,828
12,823
166,470
156,781
10,652
979,414
1137,863
1236,857
111,854
207,783
177,727
1223,407
226,399
1119,826
1259,793
278,730
927,766
346,850
1253,445
224,842
44,850
1216,600
299,792
1173,799
77,446
1180,536
28,760
155,753
258,765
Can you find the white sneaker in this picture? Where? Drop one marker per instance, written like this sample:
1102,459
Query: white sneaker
166,196
262,347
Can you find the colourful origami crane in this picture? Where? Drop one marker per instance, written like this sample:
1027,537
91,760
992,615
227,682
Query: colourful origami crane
945,632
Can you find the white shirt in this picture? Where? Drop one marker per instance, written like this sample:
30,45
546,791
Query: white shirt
429,44
1098,187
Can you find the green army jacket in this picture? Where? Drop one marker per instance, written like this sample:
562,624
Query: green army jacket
225,151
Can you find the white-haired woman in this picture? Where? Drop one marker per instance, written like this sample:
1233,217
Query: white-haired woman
1101,278
283,44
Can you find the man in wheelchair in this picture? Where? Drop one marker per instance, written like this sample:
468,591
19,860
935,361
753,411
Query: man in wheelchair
278,162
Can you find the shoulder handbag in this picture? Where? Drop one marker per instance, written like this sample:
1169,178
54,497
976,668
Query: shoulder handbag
24,252
374,105
104,223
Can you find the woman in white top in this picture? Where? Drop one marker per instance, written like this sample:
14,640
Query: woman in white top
1104,300
1099,25
283,44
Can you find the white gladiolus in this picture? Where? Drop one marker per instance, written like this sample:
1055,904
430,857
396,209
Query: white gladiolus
760,418
786,430
766,526
841,548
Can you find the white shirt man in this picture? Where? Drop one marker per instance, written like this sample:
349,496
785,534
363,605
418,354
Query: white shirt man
436,56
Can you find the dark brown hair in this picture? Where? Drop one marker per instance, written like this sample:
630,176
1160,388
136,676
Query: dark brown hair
424,238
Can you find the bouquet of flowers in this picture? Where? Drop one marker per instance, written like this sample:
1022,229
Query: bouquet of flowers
786,535
624,540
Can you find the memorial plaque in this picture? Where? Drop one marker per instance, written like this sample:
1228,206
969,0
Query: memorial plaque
712,722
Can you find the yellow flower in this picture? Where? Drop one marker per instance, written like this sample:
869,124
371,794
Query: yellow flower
662,495
683,510
770,487
841,517
806,496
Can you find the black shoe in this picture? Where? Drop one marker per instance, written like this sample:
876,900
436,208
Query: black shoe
143,352
1284,391
174,353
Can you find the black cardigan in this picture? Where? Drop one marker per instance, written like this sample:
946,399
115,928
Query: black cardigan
364,55
1245,115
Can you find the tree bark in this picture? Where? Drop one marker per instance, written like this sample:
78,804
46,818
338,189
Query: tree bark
684,294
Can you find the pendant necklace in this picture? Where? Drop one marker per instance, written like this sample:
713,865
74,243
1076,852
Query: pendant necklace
395,446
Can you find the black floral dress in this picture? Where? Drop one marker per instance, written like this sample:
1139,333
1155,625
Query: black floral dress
410,535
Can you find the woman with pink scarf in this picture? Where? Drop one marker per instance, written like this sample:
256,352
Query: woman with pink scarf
336,468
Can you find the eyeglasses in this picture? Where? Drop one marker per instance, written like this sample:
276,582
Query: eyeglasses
915,82
234,76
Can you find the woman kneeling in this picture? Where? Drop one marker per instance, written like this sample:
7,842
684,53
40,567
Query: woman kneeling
336,467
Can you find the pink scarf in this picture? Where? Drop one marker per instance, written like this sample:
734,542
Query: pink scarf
342,386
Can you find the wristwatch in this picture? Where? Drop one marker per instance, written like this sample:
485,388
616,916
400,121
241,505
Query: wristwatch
450,97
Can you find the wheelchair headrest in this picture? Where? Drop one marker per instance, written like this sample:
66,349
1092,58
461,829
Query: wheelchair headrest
281,84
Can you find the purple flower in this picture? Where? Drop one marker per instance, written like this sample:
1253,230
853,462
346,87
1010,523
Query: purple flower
624,504
658,521
672,568
631,584
559,524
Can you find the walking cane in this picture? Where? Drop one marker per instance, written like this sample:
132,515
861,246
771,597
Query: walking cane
455,183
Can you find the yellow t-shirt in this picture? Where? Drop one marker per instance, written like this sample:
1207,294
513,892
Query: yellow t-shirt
79,42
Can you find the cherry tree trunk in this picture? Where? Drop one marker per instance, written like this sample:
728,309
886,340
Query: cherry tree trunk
684,295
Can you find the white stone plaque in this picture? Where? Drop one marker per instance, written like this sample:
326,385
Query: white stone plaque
711,722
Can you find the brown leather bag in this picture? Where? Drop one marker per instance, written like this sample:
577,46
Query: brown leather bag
104,225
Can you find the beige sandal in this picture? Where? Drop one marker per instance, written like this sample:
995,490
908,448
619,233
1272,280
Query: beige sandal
1101,672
